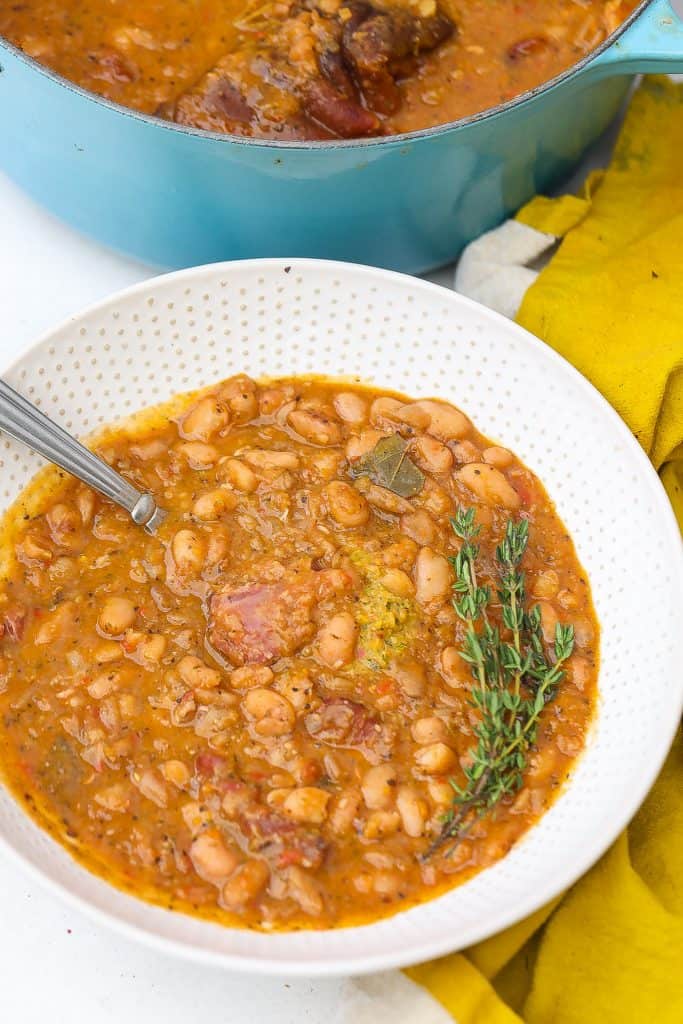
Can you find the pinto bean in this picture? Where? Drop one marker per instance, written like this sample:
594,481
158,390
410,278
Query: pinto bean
445,422
431,455
152,786
546,584
240,396
183,712
501,458
578,671
115,798
272,399
379,786
411,414
176,773
236,800
419,526
401,554
304,890
381,411
346,506
398,583
148,450
583,633
549,620
387,883
196,816
441,792
326,464
35,549
107,652
307,805
413,810
337,640
453,668
435,759
350,408
63,568
277,797
212,505
64,524
187,550
271,460
104,683
198,454
543,765
54,625
86,501
465,451
357,447
381,824
118,614
316,426
217,545
429,730
567,599
196,674
245,884
343,812
237,474
152,648
212,858
433,577
410,675
208,417
386,500
249,676
489,485
269,713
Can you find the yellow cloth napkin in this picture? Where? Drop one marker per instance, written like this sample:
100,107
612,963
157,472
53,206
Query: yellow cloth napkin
611,301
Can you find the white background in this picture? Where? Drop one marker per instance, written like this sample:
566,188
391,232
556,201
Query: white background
55,965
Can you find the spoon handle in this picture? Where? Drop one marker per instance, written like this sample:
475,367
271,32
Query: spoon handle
24,422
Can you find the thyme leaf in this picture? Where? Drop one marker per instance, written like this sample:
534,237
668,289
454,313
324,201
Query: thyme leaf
514,676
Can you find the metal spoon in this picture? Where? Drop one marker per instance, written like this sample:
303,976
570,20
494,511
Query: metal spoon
24,422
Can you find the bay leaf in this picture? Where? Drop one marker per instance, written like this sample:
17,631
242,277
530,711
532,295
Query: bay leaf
389,466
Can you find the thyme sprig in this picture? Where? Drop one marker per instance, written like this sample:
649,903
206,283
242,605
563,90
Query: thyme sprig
514,675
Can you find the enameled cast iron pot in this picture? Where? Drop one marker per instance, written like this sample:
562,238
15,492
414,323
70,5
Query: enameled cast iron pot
173,197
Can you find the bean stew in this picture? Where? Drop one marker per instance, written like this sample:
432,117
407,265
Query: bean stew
310,69
259,716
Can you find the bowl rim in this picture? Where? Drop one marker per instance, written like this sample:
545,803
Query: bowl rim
595,846
325,145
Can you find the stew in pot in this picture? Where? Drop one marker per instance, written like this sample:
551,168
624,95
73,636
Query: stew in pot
310,69
354,667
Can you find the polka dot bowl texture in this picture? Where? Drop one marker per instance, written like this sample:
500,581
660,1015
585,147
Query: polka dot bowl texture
271,317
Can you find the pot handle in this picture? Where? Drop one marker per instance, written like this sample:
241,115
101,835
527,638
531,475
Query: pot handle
653,43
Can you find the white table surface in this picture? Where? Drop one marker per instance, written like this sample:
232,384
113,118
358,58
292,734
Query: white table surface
56,966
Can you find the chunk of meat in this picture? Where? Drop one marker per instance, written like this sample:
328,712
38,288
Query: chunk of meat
340,115
261,622
340,722
110,66
211,766
281,840
381,45
13,622
313,74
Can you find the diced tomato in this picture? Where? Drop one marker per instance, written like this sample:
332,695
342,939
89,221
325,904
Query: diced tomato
289,857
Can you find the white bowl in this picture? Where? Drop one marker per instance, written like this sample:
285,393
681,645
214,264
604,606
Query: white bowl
276,317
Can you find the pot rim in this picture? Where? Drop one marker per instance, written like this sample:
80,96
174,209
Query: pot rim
316,145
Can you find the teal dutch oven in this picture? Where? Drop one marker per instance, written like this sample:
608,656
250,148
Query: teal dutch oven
173,197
